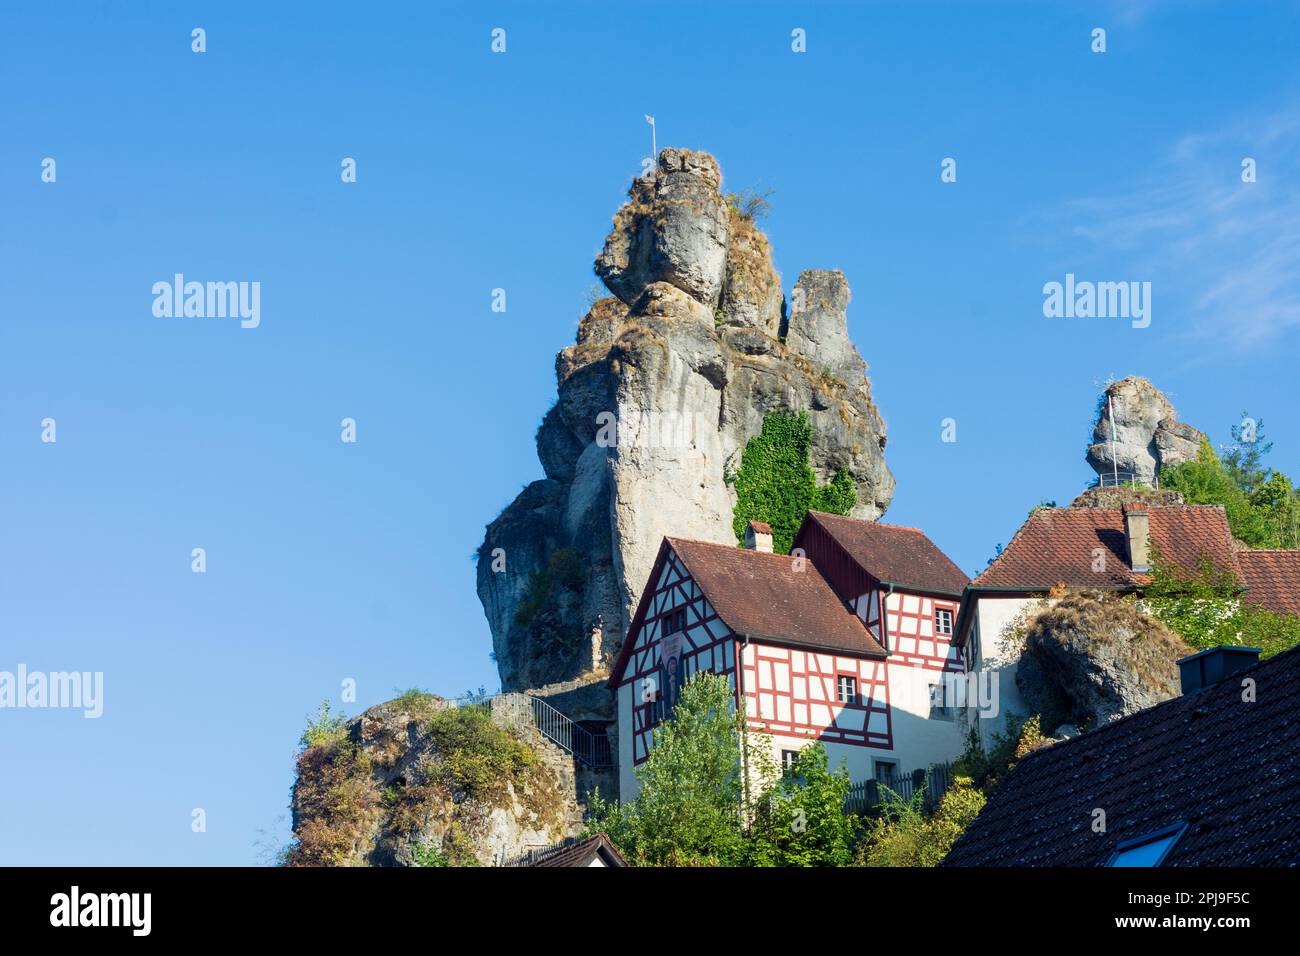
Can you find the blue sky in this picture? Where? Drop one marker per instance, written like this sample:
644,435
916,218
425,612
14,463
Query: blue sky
328,560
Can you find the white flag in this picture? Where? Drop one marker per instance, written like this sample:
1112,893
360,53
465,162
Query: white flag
650,119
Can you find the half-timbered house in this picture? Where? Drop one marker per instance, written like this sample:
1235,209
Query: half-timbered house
842,641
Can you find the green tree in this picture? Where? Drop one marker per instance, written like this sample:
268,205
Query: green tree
1262,505
688,811
800,820
776,484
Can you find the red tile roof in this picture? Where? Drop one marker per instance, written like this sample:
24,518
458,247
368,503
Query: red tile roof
764,595
1228,768
893,554
1058,544
1272,579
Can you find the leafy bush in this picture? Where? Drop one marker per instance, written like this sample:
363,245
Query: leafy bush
776,484
904,836
750,203
801,821
324,728
1205,608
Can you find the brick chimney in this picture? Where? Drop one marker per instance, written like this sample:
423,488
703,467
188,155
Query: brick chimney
1213,665
758,536
1137,530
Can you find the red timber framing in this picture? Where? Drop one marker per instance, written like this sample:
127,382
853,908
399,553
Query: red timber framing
795,693
707,643
914,636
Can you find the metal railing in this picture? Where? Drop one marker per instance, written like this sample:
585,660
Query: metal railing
872,793
522,710
1124,479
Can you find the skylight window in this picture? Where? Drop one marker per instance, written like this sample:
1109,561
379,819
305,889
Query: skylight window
1148,850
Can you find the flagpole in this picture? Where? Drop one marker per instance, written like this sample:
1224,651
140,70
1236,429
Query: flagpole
654,145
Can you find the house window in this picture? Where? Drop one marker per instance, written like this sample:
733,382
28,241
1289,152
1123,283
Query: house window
943,621
674,621
1148,850
886,771
848,690
788,757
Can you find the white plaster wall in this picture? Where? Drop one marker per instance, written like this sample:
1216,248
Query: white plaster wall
993,616
919,740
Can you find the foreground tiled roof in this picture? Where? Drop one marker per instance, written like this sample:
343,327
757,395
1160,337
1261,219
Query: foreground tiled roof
1058,544
1272,579
1228,768
894,554
763,595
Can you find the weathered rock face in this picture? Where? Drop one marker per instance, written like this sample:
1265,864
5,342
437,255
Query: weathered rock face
1118,497
666,383
1148,435
411,780
1092,658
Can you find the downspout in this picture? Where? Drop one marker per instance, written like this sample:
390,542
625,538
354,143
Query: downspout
744,720
884,618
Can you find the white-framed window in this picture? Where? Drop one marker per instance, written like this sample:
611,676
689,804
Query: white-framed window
943,621
788,757
847,689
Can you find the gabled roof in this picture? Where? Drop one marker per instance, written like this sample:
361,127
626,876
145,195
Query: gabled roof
764,595
1272,579
1058,544
1228,768
893,554
582,853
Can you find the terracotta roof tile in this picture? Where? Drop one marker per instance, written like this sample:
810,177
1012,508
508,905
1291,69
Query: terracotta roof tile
1059,544
1272,579
1228,768
762,595
894,554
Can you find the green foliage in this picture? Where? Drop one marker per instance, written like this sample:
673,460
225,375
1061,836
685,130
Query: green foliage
324,728
984,768
428,855
750,203
479,757
801,819
1205,608
688,809
1263,506
563,569
776,484
904,836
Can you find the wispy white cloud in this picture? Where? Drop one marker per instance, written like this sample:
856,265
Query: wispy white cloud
1231,249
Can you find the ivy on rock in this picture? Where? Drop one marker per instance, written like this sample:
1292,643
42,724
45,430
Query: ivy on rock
776,484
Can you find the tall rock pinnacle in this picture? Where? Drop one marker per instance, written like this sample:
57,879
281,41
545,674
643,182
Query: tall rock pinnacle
667,381
1147,433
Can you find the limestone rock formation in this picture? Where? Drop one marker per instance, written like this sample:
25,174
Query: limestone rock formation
1148,435
1093,658
667,381
415,782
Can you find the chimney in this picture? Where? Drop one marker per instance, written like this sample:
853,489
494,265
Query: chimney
1137,529
758,536
1213,665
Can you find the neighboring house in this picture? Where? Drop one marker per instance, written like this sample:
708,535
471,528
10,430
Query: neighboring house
1208,778
1107,549
593,851
840,642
